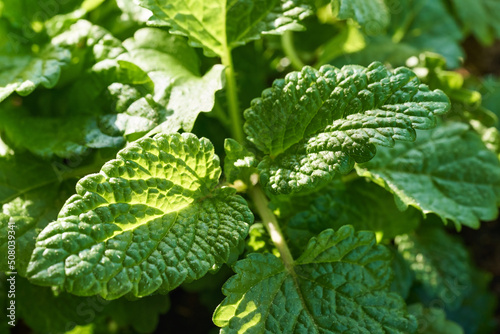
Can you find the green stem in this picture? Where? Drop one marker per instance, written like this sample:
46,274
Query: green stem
232,97
289,49
272,226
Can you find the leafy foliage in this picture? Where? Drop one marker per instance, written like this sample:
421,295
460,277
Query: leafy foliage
151,211
365,206
333,273
315,124
115,97
461,183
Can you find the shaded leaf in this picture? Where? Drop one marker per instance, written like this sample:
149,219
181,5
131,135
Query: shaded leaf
440,262
364,205
448,171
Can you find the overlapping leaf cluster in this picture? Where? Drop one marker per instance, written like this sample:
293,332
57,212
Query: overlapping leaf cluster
365,163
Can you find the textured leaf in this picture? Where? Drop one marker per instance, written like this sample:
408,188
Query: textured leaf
372,15
70,134
363,205
23,72
151,219
315,124
339,285
441,263
220,25
30,212
174,68
448,171
239,163
433,321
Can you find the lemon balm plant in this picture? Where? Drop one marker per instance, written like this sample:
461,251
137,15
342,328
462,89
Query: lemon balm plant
149,145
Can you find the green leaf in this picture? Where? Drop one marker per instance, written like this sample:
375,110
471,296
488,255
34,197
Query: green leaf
142,314
151,219
372,15
416,26
47,311
25,71
433,321
30,213
403,276
66,136
339,285
174,68
448,171
220,25
316,124
239,163
440,262
364,205
22,173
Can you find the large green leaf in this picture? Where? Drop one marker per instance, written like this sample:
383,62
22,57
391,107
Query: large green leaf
372,15
151,219
364,205
25,71
448,171
315,124
220,25
340,284
440,262
174,68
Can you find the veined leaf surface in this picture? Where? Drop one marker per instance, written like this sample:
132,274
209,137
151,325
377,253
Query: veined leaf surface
151,219
314,124
448,171
23,73
340,284
373,15
220,25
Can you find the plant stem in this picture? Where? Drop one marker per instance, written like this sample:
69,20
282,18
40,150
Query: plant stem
232,97
272,226
289,49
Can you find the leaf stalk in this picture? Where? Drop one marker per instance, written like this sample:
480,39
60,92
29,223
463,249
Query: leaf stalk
272,226
232,96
